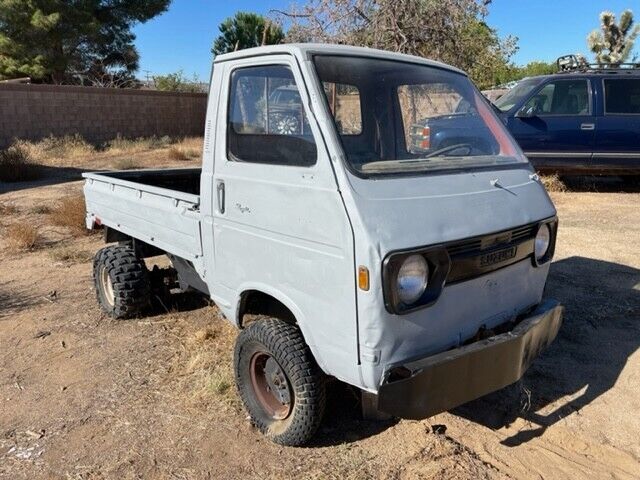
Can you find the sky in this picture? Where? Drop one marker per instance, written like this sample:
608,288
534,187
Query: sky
181,38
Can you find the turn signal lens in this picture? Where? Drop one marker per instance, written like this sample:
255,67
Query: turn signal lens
426,138
363,278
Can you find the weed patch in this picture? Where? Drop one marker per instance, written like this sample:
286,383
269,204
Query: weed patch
17,165
126,164
22,237
70,212
553,183
70,255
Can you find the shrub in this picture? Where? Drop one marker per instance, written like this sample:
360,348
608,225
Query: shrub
553,183
70,212
126,164
8,209
177,154
71,255
67,146
16,165
138,144
41,209
22,237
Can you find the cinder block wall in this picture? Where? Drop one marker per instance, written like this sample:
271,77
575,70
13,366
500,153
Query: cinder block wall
98,114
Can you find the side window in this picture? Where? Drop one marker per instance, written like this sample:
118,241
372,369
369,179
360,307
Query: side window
344,102
563,97
266,118
622,96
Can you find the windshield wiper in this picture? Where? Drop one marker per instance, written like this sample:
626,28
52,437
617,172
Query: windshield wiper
438,152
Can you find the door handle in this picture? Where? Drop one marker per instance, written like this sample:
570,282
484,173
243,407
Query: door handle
587,126
220,194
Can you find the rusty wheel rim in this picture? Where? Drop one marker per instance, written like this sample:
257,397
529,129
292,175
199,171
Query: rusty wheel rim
271,386
107,287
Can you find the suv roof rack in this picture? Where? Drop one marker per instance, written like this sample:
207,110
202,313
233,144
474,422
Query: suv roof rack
577,63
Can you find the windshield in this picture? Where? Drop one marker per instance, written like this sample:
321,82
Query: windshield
514,96
400,117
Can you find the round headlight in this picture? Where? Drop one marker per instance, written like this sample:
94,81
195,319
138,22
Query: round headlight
412,279
543,240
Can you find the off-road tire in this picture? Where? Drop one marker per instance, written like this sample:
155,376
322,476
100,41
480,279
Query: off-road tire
285,344
129,279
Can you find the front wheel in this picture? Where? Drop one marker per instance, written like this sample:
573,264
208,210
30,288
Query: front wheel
279,381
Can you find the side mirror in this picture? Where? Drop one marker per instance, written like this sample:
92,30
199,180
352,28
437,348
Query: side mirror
526,112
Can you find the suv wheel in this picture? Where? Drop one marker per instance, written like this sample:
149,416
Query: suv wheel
279,382
122,281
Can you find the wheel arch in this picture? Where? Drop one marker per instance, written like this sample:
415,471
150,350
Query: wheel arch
263,300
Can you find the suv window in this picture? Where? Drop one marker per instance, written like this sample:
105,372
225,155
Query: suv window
266,118
622,95
562,97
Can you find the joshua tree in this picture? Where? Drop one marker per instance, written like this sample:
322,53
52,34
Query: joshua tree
612,44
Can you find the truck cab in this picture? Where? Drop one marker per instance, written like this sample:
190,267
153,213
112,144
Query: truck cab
338,249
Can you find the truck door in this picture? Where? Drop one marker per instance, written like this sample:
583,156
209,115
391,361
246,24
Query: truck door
280,226
618,129
555,127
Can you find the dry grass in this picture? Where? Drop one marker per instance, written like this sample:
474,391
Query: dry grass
22,237
553,183
17,165
186,149
121,144
7,209
70,212
177,154
40,210
126,164
70,255
208,366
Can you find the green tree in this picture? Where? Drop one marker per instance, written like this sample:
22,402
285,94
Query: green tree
177,82
246,30
70,41
512,72
612,44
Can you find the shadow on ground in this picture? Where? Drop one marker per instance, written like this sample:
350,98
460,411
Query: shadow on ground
602,184
13,302
601,330
48,176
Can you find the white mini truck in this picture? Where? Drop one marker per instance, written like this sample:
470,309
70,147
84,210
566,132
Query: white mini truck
339,244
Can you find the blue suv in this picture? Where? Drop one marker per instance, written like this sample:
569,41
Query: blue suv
585,120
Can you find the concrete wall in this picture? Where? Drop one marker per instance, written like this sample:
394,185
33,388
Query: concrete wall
98,114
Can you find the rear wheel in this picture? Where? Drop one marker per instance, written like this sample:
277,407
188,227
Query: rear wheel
121,280
279,382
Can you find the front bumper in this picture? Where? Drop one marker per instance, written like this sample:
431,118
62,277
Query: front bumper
421,388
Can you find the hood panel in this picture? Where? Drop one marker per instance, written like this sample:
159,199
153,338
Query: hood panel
409,212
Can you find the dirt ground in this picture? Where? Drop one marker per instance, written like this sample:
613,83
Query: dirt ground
86,397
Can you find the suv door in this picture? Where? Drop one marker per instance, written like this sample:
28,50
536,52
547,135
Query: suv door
617,145
555,127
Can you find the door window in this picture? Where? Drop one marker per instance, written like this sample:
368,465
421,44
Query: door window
622,96
562,97
266,119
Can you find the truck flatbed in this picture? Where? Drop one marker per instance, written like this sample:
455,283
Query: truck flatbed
159,207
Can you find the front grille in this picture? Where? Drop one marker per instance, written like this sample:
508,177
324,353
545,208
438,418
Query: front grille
476,256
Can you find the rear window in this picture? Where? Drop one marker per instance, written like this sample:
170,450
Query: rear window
622,96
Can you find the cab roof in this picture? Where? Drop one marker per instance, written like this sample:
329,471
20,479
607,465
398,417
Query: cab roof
305,50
